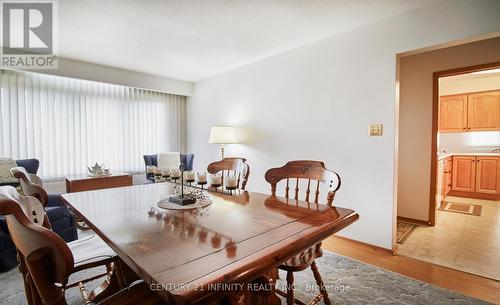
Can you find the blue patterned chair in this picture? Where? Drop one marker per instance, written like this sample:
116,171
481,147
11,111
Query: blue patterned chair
61,220
152,160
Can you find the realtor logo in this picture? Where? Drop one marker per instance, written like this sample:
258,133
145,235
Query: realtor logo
28,35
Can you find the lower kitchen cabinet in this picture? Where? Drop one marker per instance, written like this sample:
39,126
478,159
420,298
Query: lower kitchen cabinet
477,176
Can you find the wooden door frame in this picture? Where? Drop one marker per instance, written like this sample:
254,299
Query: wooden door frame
435,124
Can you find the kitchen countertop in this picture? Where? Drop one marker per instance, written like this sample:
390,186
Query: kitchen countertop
443,156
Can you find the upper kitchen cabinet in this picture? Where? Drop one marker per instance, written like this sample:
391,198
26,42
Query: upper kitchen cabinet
470,112
484,111
453,113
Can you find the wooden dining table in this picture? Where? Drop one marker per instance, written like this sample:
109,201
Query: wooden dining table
195,256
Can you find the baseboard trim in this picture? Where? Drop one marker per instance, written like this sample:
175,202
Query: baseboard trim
482,196
414,221
374,247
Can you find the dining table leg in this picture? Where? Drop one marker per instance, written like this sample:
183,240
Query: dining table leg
119,277
262,291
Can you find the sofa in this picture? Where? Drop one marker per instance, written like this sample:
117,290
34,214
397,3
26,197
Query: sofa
152,160
61,220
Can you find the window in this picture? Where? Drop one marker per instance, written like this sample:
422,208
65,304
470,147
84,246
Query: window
69,124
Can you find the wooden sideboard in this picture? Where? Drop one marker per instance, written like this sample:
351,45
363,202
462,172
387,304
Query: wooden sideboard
85,183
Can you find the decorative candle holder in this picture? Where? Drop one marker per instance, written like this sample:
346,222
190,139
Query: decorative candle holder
180,199
150,169
157,174
231,183
175,174
215,181
165,173
201,179
231,189
189,177
202,183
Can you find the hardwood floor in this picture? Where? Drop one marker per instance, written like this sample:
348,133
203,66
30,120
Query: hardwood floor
468,284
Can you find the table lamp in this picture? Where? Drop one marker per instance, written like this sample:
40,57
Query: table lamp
222,135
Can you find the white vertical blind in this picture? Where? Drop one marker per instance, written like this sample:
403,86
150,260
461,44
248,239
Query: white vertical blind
69,123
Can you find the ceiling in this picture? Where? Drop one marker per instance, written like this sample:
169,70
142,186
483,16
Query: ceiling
194,39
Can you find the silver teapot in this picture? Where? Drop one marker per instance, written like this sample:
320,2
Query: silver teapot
96,169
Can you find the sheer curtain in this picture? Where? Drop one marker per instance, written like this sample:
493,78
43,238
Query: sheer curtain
69,123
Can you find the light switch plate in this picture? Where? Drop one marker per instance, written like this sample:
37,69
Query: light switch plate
375,130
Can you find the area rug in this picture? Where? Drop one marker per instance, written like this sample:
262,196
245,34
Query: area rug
403,230
462,208
348,282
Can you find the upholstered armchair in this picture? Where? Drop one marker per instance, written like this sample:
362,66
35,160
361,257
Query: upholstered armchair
31,166
60,218
152,160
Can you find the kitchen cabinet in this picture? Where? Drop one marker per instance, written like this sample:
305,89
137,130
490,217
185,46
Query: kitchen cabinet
483,111
476,174
444,179
447,180
453,113
464,173
487,169
478,111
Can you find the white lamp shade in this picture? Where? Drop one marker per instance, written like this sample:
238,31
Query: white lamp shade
223,135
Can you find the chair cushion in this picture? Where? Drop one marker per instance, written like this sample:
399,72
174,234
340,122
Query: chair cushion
303,260
151,160
54,200
89,250
57,213
5,165
8,259
5,241
169,160
3,224
187,159
8,253
30,165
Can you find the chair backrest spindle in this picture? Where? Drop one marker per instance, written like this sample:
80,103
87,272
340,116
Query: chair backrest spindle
308,170
316,195
296,189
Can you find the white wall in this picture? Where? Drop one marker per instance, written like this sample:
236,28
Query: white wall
316,102
89,71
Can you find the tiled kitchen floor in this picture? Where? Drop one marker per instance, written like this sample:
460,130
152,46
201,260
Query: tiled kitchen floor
464,242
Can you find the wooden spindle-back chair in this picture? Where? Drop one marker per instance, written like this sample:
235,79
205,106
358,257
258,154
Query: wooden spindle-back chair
46,261
232,166
315,174
31,184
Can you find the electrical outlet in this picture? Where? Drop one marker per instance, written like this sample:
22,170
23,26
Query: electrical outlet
375,130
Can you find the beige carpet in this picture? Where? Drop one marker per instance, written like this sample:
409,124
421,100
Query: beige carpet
348,282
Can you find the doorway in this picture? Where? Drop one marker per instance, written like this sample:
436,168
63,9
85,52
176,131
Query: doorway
465,191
